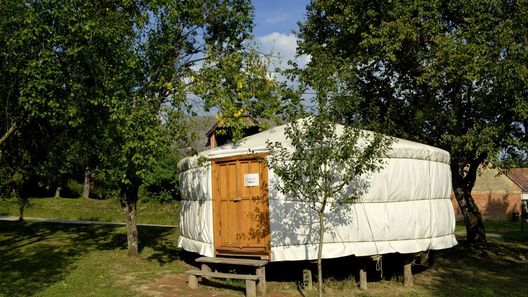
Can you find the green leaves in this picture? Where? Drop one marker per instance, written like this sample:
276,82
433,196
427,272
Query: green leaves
441,72
161,183
114,74
238,83
447,73
325,162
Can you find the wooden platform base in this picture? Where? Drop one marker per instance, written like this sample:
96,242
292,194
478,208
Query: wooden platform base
253,281
407,262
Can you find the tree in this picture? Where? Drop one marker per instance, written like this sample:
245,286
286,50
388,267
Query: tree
325,167
49,89
18,124
161,183
514,158
157,57
116,73
239,83
450,74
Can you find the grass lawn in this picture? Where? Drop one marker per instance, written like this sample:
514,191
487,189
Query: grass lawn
497,268
50,259
93,210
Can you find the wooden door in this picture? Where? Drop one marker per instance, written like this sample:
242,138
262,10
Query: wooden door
240,204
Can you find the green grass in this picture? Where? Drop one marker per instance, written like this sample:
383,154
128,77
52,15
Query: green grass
94,210
496,268
50,259
508,231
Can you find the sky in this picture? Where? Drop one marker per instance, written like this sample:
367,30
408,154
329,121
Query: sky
275,27
275,24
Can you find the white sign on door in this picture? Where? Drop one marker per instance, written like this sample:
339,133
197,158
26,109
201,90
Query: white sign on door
251,180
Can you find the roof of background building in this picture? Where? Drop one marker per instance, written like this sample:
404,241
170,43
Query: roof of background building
248,120
519,176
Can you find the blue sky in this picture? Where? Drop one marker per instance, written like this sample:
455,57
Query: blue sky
278,16
275,22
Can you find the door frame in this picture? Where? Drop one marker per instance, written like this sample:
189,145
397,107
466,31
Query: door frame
264,184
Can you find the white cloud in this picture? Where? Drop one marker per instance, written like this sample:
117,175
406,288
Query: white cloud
276,19
284,46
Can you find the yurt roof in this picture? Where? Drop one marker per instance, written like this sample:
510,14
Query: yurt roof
255,144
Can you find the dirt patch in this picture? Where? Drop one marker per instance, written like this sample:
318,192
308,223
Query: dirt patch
177,287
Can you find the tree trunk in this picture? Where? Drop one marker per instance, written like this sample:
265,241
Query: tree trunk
463,185
129,202
87,184
22,203
320,254
132,233
21,212
8,133
472,217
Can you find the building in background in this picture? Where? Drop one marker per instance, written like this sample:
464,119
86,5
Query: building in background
220,134
499,194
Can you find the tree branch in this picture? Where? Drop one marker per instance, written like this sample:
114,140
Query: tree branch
8,133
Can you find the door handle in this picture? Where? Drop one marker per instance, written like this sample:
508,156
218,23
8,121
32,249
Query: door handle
236,199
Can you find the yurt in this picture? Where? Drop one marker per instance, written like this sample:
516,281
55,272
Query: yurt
231,206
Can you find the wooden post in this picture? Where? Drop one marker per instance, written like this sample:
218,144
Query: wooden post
206,268
193,281
261,285
407,270
431,260
307,282
363,274
251,288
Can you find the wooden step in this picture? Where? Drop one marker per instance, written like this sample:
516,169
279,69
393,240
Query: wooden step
232,261
222,275
259,265
251,280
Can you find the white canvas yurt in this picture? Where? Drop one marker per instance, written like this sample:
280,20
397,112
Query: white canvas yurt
230,206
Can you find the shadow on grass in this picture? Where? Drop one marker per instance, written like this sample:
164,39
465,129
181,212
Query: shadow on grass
36,255
340,269
162,240
495,268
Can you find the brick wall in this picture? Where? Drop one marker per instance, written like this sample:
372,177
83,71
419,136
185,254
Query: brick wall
495,194
493,205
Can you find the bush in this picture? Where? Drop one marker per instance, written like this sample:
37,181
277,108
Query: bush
161,183
72,189
5,182
104,191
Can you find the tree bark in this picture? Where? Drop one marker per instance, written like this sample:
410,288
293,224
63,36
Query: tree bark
87,184
8,133
21,212
22,203
129,204
463,185
320,254
132,233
